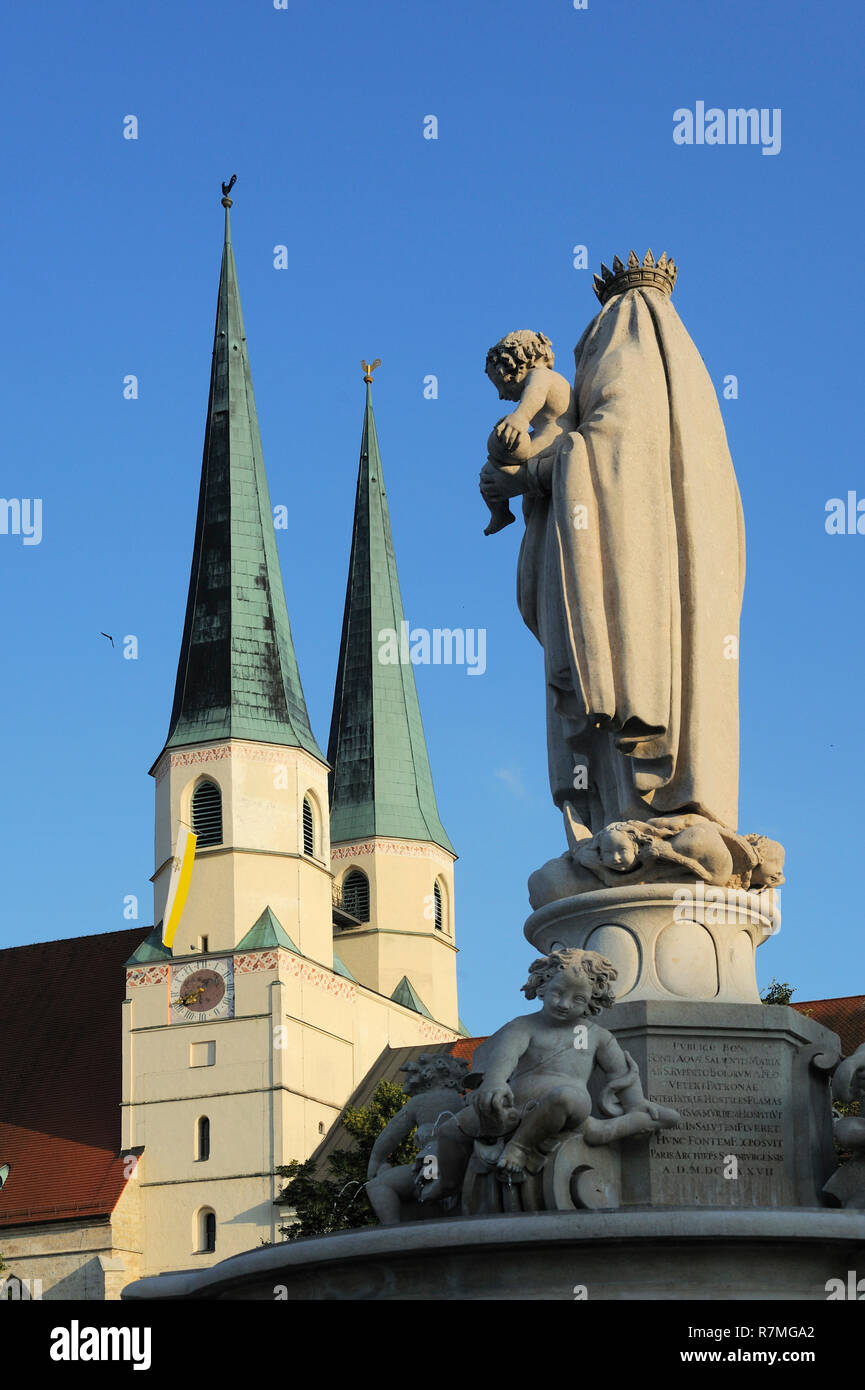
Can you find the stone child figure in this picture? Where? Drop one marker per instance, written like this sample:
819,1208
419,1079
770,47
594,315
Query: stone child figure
671,848
668,848
433,1084
520,367
659,849
536,1073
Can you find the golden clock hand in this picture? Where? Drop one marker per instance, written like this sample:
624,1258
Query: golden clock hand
187,999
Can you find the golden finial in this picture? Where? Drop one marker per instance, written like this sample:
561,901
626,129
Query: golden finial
226,189
369,368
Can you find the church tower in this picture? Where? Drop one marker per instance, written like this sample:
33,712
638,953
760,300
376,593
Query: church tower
241,766
392,859
243,1039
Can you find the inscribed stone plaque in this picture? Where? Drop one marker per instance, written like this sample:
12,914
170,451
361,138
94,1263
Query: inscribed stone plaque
750,1082
729,1149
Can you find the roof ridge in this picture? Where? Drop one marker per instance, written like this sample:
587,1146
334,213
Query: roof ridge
85,936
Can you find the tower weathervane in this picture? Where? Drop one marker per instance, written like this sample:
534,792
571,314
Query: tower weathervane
226,189
369,368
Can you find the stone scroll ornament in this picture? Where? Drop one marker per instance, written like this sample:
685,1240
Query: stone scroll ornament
526,1138
630,575
847,1183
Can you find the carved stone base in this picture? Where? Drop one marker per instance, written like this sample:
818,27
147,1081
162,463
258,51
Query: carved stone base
751,1084
667,941
576,1177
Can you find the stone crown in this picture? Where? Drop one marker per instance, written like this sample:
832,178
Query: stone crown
659,275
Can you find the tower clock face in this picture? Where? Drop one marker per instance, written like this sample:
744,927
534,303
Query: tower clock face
202,990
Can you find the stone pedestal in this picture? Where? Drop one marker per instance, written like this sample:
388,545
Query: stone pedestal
667,940
751,1083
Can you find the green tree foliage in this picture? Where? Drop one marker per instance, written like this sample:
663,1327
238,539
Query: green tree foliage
777,992
337,1201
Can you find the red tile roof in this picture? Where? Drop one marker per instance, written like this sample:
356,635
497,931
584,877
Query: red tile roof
466,1047
60,1076
846,1017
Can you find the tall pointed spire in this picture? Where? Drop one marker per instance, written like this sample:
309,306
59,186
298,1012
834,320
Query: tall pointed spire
381,783
237,676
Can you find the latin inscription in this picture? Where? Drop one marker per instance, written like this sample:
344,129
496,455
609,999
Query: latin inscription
728,1093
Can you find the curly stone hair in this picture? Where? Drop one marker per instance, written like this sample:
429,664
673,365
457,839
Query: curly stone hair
600,972
447,1071
516,354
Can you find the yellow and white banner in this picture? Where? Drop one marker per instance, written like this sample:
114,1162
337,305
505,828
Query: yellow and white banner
178,883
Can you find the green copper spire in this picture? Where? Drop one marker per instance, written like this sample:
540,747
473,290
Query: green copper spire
237,676
380,782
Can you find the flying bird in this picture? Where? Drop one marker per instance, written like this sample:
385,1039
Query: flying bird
108,635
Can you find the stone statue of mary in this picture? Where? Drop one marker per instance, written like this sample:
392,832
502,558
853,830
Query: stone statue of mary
631,569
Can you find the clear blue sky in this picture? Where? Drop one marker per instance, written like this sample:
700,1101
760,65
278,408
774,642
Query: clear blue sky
555,129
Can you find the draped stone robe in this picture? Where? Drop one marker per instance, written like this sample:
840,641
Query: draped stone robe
636,601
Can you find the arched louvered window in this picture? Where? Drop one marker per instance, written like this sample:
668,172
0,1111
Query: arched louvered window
439,908
308,827
355,895
202,1142
207,814
206,1231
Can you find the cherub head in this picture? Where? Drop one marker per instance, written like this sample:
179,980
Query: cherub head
571,983
618,846
769,871
434,1072
512,357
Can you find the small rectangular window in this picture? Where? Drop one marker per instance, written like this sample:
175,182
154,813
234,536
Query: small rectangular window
203,1139
202,1054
